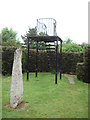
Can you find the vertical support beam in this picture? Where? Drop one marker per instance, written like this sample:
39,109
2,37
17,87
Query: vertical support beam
28,61
56,60
36,58
61,60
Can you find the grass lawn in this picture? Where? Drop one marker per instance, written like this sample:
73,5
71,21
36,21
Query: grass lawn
46,99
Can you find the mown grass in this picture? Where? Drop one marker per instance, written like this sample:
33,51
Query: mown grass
0,96
46,99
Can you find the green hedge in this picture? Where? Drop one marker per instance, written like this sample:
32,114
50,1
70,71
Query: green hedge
82,68
69,61
82,72
86,56
7,59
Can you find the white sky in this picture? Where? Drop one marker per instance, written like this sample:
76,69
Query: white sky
71,16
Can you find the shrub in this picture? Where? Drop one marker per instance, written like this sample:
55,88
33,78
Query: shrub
82,68
82,72
69,61
71,47
24,60
7,59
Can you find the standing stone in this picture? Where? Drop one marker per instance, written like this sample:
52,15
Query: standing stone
16,93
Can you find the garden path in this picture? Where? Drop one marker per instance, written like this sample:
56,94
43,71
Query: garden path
70,78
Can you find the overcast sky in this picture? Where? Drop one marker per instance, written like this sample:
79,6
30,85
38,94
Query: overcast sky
71,16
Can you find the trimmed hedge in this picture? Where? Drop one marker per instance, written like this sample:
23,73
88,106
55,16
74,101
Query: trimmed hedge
69,61
7,59
82,68
81,72
86,56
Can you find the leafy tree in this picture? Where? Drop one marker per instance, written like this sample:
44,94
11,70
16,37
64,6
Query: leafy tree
68,41
70,46
8,34
42,34
12,43
85,46
33,32
9,37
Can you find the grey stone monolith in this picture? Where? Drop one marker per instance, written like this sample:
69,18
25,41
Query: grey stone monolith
16,93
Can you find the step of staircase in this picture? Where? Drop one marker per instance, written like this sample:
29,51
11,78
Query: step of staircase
49,45
50,49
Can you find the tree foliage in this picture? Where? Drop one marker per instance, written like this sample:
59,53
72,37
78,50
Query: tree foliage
68,41
85,47
70,46
33,32
12,43
0,39
8,34
9,37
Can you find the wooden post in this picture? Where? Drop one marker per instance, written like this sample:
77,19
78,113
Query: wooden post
36,58
28,61
56,61
61,60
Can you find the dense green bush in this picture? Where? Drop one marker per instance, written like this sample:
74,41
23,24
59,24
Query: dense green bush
69,61
86,57
24,60
82,68
71,47
7,59
80,71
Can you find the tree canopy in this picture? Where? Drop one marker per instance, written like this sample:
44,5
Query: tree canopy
33,32
9,37
70,46
8,34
